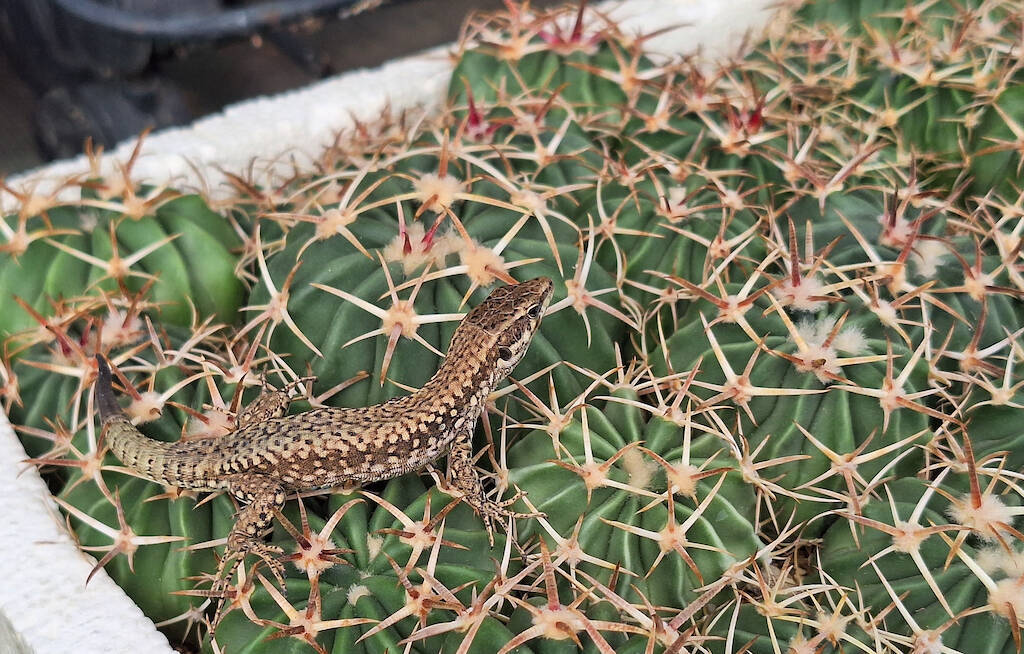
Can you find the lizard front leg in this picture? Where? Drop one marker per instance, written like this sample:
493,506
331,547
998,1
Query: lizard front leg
463,478
262,496
270,403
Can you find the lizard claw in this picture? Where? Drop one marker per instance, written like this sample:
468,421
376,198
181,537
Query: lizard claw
270,555
267,554
277,569
491,512
520,494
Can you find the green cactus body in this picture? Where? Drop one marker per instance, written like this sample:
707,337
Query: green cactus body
846,561
938,257
740,419
772,422
50,396
792,630
999,169
367,586
929,119
332,322
683,231
489,77
723,526
194,269
967,290
157,570
994,428
58,402
856,15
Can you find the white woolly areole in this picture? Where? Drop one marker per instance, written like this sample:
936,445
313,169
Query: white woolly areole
333,222
528,199
217,423
886,312
682,479
928,642
1006,241
401,315
437,193
896,234
118,330
309,560
909,538
732,199
822,359
814,332
374,545
639,469
832,625
1008,594
677,204
819,360
975,285
927,256
800,645
996,561
147,408
986,519
483,263
800,296
558,624
851,340
421,253
356,591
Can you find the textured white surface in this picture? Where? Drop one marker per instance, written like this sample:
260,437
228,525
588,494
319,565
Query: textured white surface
42,577
288,129
712,28
42,574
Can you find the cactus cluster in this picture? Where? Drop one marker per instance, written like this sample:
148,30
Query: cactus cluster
773,406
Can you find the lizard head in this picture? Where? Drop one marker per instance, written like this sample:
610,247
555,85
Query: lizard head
510,317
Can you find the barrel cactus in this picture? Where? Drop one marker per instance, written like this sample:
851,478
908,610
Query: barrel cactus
116,236
771,407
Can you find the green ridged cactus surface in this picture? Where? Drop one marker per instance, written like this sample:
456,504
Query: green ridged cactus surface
179,245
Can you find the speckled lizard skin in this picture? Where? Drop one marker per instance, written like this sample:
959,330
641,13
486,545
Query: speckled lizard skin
271,454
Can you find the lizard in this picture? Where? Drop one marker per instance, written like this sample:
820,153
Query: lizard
271,454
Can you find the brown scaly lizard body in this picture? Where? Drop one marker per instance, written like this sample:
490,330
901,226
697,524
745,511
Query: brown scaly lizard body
271,455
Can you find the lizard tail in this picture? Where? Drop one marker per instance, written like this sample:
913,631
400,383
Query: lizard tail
133,448
105,399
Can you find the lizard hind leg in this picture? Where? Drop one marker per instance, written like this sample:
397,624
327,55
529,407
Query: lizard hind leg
262,498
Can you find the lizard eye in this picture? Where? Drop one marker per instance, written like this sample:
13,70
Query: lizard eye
534,311
504,353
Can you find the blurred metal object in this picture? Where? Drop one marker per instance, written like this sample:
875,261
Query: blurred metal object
91,62
105,111
172,22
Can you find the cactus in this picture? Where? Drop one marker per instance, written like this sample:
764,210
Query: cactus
772,406
425,275
900,558
174,242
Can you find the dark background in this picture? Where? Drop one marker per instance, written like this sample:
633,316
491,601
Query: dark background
211,75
